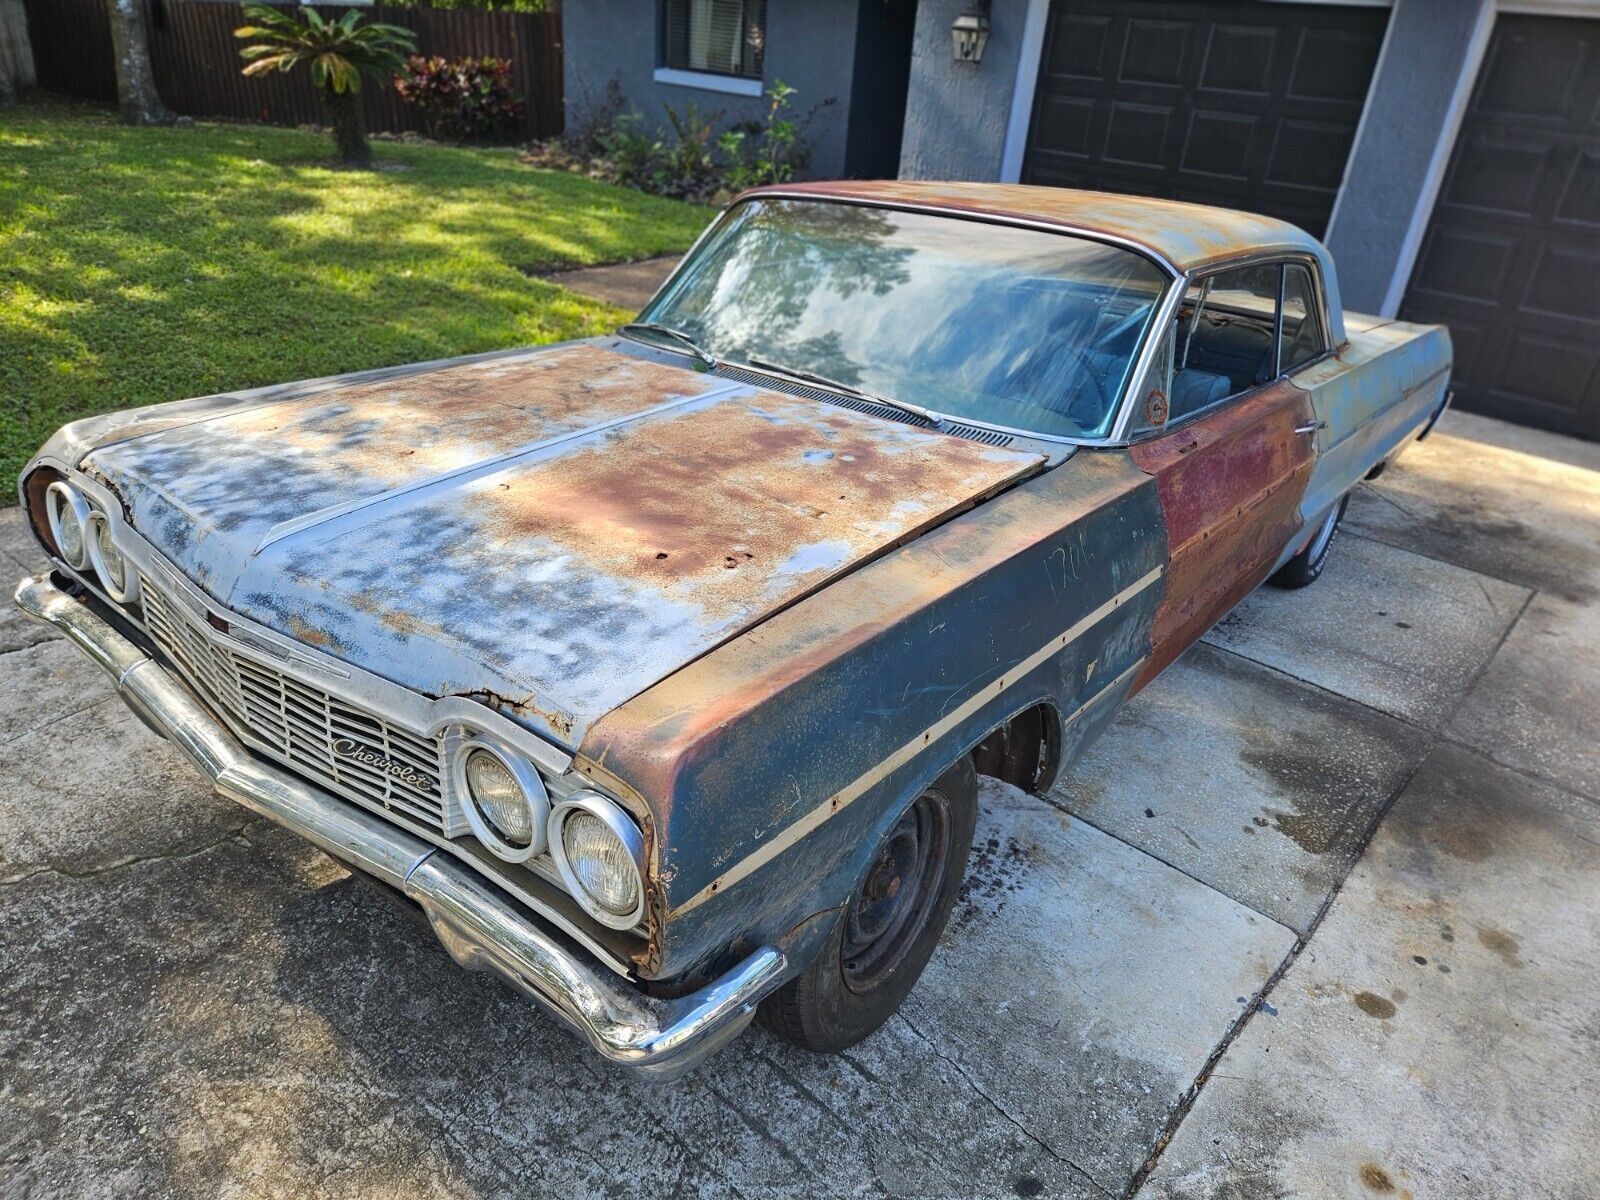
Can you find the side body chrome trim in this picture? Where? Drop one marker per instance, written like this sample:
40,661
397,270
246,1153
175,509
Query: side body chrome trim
812,820
479,927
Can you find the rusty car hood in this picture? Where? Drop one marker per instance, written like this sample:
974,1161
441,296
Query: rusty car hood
551,532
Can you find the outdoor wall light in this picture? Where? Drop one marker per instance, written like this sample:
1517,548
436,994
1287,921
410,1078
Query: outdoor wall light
969,33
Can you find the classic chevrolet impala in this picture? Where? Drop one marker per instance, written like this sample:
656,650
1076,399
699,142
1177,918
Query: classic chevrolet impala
657,670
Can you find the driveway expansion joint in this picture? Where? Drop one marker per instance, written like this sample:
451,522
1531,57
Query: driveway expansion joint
999,1110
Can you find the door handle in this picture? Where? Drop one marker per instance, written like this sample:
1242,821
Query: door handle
1311,427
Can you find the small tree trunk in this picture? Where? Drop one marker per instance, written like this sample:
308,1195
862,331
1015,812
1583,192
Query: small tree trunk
136,83
16,54
344,114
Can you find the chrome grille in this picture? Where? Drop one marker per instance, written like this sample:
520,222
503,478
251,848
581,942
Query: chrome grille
297,724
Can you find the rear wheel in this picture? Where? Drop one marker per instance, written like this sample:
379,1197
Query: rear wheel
1305,567
890,925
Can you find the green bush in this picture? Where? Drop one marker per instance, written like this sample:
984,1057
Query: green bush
688,158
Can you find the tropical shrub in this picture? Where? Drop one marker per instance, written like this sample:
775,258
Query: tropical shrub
687,157
337,52
469,98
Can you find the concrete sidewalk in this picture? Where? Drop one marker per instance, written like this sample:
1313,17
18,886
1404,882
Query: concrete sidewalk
1320,916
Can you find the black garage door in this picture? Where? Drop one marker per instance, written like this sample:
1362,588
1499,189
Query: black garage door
1511,260
1246,105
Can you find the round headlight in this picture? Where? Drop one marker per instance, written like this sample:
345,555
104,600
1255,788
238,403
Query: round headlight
504,800
121,584
68,514
599,852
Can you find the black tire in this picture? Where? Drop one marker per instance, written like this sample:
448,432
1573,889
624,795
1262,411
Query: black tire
1303,569
886,934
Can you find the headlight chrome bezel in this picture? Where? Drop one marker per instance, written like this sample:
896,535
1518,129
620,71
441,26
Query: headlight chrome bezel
627,833
534,792
128,591
62,494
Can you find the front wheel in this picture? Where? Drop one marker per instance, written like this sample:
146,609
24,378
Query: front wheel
890,925
1304,568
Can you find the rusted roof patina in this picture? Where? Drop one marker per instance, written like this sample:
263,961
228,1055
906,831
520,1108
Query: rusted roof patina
1187,236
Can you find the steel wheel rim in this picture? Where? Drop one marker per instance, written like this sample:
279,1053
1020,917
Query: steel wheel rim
895,899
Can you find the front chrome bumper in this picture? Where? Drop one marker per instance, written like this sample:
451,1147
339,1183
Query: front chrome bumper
476,923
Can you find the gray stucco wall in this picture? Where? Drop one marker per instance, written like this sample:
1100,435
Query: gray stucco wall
956,113
810,46
1412,109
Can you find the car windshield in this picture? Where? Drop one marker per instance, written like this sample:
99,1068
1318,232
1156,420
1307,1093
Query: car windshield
1023,328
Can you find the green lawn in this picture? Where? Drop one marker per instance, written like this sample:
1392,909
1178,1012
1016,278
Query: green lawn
140,265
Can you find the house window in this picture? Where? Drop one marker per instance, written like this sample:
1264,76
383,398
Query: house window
716,37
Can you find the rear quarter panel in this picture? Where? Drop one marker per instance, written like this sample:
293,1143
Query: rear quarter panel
772,766
1375,392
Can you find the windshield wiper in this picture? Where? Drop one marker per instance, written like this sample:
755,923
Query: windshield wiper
677,335
915,410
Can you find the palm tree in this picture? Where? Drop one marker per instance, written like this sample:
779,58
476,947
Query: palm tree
338,53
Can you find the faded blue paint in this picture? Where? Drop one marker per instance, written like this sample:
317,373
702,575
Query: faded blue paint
1382,385
469,534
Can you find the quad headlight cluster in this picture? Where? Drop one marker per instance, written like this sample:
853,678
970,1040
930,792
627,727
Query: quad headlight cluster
82,534
595,846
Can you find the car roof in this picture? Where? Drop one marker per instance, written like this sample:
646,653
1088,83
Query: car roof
1187,237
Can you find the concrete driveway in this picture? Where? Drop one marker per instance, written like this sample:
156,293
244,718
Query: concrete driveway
1320,916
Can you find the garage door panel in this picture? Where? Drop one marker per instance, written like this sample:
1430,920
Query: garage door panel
1498,177
1070,129
1529,75
1235,84
1564,284
1156,52
1332,65
1219,143
1579,202
1511,260
1080,48
1309,154
1547,372
1464,267
1239,59
1139,134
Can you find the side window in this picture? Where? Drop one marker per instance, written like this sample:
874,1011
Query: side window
1302,331
1224,337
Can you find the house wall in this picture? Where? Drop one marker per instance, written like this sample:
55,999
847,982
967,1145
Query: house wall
810,46
1419,91
956,113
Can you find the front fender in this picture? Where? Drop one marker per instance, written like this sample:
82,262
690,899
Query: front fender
774,765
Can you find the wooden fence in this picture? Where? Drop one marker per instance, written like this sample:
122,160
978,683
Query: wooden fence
196,60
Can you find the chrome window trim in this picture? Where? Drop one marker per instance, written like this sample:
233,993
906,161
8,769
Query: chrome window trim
1265,257
450,718
1141,360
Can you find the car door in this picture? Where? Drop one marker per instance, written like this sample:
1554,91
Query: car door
1230,448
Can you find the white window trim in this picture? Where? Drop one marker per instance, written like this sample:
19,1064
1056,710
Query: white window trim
1028,55
731,85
